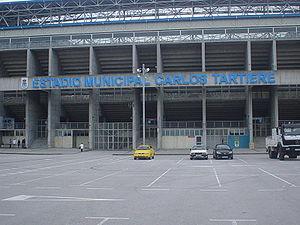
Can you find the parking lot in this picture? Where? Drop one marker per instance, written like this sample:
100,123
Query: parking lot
96,187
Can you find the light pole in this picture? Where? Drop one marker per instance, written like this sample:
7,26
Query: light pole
144,70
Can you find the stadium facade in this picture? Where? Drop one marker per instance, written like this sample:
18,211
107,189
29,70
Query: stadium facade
219,71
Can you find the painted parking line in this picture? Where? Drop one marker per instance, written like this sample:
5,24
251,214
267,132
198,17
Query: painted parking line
100,178
153,182
57,198
272,190
7,214
41,178
243,160
105,219
202,166
155,189
243,165
232,221
47,188
179,161
273,175
51,167
217,177
99,188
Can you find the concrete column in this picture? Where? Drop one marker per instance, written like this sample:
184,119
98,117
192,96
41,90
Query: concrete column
159,62
54,112
274,56
2,110
136,107
2,114
204,141
32,116
94,67
203,56
248,57
274,108
135,59
54,64
33,68
94,108
136,117
249,115
32,110
160,116
94,104
54,99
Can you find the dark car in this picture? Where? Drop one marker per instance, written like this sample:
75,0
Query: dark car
222,151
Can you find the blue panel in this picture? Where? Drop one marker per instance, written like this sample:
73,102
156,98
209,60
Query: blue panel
235,141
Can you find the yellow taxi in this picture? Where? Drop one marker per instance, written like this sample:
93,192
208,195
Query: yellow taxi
144,152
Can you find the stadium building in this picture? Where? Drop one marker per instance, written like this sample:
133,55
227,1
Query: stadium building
110,73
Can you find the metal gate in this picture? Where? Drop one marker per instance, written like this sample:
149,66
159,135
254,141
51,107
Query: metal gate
113,136
261,127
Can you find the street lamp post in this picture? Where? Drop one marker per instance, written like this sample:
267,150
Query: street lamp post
144,70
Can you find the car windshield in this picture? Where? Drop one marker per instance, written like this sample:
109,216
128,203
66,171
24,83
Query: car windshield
291,130
198,147
225,147
143,148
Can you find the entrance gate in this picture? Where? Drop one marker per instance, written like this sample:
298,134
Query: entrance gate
113,136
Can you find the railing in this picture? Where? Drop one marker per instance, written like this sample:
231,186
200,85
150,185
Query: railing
19,125
195,35
73,125
198,124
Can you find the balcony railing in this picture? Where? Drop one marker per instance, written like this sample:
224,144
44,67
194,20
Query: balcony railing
195,35
209,124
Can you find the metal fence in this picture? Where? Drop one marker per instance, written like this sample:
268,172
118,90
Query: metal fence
195,35
113,136
198,124
72,125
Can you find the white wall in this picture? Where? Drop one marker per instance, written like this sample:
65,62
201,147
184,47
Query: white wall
178,142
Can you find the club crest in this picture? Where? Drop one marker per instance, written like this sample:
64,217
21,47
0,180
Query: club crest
24,82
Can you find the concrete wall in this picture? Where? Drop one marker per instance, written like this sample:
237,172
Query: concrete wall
178,142
84,140
67,141
5,139
63,141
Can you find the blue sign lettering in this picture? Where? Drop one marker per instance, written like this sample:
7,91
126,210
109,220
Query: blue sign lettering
158,79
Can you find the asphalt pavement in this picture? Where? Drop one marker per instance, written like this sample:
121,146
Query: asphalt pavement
96,187
62,151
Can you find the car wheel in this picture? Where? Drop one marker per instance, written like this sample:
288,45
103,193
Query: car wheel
293,156
191,158
152,157
231,157
134,158
281,152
